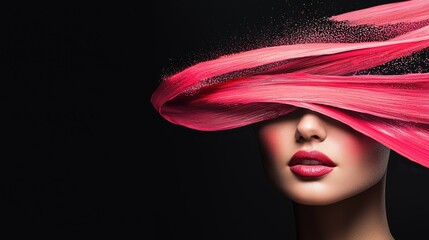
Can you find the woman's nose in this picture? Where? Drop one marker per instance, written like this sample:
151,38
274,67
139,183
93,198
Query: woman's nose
311,127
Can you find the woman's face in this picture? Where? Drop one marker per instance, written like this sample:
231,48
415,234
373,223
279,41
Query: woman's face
316,160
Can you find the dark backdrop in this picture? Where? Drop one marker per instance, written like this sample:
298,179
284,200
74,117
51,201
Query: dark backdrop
86,154
212,185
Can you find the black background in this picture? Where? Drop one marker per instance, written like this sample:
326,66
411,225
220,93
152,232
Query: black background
86,154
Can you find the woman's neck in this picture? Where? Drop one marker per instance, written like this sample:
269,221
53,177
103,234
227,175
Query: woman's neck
360,217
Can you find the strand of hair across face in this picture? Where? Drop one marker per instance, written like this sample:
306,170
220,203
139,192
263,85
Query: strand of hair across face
327,60
252,86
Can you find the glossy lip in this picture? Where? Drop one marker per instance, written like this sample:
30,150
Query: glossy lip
311,164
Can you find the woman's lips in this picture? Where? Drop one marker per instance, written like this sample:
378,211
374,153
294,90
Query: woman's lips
311,164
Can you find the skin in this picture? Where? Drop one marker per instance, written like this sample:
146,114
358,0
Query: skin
348,202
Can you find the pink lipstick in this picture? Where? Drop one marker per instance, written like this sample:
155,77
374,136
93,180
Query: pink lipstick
311,164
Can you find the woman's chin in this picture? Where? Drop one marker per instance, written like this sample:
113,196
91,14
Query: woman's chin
317,198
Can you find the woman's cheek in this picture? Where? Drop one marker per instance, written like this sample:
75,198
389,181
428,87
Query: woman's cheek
277,143
362,157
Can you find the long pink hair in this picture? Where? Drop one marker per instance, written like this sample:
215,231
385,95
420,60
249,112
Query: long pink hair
251,86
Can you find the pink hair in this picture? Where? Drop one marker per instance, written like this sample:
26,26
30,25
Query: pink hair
265,83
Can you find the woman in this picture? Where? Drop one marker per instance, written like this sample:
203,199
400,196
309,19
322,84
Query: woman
319,118
334,175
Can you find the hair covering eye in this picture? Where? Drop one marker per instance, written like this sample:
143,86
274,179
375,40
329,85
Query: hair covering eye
251,86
